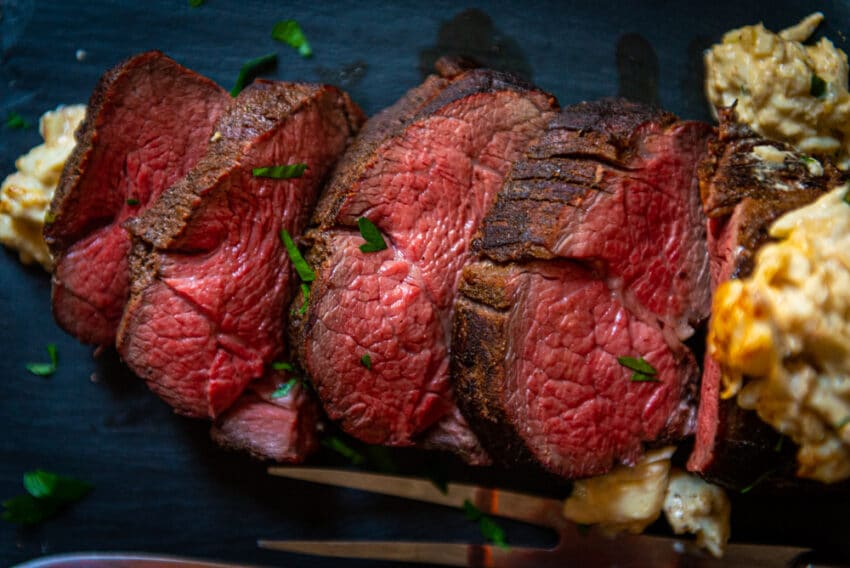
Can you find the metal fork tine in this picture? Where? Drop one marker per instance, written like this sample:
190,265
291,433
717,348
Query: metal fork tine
509,504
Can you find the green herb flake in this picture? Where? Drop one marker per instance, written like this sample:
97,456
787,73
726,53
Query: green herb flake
643,378
15,120
807,160
758,480
284,389
366,361
195,3
282,366
45,369
490,529
287,171
637,364
46,494
290,33
842,423
818,87
253,69
846,198
49,217
132,201
779,443
342,448
305,291
305,273
374,240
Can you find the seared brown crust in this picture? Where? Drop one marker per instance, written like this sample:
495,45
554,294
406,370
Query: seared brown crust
480,346
732,172
59,235
524,222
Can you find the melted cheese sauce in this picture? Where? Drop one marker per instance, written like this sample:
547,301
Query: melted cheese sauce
25,194
782,336
770,76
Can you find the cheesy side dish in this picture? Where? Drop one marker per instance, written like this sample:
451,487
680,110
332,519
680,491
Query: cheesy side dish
25,194
782,335
783,89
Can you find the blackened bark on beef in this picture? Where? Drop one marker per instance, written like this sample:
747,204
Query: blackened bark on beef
424,171
210,276
600,243
743,194
147,123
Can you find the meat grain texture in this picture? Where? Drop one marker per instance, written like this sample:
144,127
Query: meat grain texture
211,279
595,250
425,172
147,123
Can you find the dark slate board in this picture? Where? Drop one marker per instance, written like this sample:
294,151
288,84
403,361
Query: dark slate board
161,485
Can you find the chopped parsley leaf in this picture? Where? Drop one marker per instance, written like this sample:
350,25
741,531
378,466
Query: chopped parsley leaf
842,423
366,361
195,3
132,201
339,446
284,389
305,273
374,240
489,528
282,366
287,171
305,291
807,160
253,69
758,480
45,369
643,371
15,120
49,217
846,198
818,87
289,32
46,494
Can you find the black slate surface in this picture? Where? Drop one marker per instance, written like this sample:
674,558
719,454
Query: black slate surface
160,484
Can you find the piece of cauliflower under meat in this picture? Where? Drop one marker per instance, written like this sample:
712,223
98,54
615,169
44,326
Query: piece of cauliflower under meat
26,194
692,505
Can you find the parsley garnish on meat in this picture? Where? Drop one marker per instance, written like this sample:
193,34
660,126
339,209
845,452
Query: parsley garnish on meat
305,273
643,371
366,361
287,171
253,69
282,366
339,446
284,389
132,201
46,494
289,32
818,87
370,233
305,291
489,528
45,369
15,120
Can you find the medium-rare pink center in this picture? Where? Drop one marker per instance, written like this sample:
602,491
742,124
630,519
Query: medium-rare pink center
645,227
580,411
427,191
222,293
152,143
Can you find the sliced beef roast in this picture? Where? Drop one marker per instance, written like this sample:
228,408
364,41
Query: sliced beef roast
211,278
147,123
275,419
601,251
746,182
424,171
